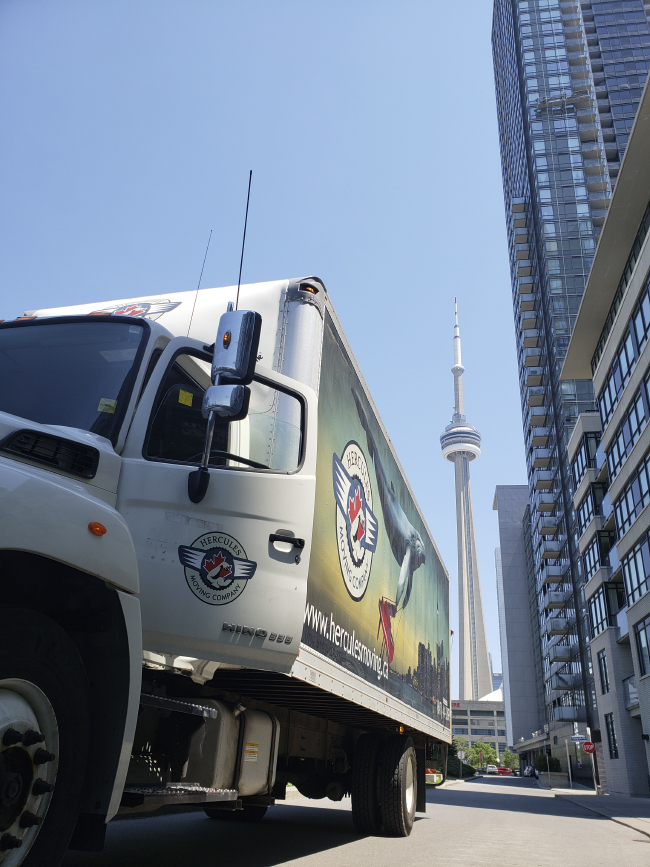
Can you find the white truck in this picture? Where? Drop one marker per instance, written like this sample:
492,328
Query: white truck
214,578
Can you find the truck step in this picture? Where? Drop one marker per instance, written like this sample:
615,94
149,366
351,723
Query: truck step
177,705
153,797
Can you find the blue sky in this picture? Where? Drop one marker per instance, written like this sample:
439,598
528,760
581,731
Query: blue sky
128,132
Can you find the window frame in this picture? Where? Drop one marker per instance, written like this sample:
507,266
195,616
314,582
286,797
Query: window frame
263,380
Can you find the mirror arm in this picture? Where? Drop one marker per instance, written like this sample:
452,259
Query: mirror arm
198,480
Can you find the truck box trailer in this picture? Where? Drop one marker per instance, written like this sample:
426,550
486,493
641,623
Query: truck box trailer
288,625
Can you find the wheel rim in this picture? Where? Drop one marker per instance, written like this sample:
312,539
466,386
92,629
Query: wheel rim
410,785
29,750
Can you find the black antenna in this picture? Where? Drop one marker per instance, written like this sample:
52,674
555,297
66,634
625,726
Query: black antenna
198,285
250,178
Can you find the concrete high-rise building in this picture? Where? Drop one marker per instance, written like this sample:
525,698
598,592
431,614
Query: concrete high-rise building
569,75
523,687
461,443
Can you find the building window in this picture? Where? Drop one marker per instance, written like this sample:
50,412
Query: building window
501,733
629,430
635,497
617,377
604,673
611,735
636,569
642,633
483,732
456,730
596,553
585,457
598,612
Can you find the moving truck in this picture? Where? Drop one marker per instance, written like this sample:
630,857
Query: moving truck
215,581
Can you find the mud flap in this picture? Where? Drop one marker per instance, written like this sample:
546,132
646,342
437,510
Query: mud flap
421,801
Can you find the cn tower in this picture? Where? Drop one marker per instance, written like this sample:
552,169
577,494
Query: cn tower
461,443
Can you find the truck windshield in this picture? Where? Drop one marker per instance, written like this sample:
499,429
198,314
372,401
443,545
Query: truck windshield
74,373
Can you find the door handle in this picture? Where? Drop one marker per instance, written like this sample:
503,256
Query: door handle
290,540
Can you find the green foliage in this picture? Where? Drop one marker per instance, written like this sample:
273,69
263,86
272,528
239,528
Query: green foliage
553,764
459,744
456,768
510,760
489,755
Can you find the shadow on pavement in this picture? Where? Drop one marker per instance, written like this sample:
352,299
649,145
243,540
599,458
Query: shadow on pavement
287,833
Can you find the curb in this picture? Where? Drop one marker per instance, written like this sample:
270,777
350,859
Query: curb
619,820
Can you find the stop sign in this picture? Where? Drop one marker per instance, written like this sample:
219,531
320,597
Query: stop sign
588,747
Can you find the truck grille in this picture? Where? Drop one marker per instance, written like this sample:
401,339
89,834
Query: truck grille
55,452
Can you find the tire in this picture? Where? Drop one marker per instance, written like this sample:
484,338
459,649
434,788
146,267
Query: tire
398,786
251,813
43,688
365,769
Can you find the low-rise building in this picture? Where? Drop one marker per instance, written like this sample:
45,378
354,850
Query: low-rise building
609,452
480,722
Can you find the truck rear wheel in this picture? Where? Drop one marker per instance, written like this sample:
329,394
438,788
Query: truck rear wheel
43,739
365,802
398,786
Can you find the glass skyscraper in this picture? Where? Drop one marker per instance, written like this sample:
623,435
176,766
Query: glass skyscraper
569,77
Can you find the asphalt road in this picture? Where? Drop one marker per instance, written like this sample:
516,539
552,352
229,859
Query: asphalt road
484,821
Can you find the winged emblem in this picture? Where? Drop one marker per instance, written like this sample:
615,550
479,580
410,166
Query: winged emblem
351,500
140,309
217,567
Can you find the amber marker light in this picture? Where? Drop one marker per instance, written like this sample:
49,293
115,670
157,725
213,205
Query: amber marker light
97,529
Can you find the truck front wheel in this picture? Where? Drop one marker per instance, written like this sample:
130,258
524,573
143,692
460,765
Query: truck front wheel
43,739
398,786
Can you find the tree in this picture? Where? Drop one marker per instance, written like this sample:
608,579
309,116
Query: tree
510,760
459,744
488,752
548,763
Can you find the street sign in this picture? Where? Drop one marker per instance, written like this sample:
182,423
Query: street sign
461,755
578,738
588,747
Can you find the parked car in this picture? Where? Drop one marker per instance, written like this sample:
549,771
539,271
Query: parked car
492,769
504,772
529,771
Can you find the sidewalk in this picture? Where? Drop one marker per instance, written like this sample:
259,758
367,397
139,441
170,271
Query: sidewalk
633,812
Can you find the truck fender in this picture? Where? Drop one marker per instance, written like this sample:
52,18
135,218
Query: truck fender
43,515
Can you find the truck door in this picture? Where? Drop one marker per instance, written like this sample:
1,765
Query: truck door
214,584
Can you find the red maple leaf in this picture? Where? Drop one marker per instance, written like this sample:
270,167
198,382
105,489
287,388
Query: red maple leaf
354,508
217,562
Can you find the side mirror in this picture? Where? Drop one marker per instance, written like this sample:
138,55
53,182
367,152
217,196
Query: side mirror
233,367
227,401
235,349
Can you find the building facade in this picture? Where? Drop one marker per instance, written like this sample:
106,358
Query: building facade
610,463
461,444
480,722
523,685
568,77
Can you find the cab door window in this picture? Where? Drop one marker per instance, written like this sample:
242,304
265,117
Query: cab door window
271,437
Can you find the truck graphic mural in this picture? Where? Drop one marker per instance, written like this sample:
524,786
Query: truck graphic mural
378,594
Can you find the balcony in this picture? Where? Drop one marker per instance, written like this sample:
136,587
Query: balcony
557,598
542,458
525,282
591,150
539,437
537,416
522,251
595,166
517,205
524,269
548,526
597,183
588,131
623,626
560,653
630,692
532,357
566,681
536,396
569,714
534,376
551,574
519,220
528,320
545,502
543,479
558,625
526,302
606,509
599,200
521,236
613,559
550,550
530,338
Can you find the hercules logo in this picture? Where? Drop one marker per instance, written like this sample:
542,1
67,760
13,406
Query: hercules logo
216,568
